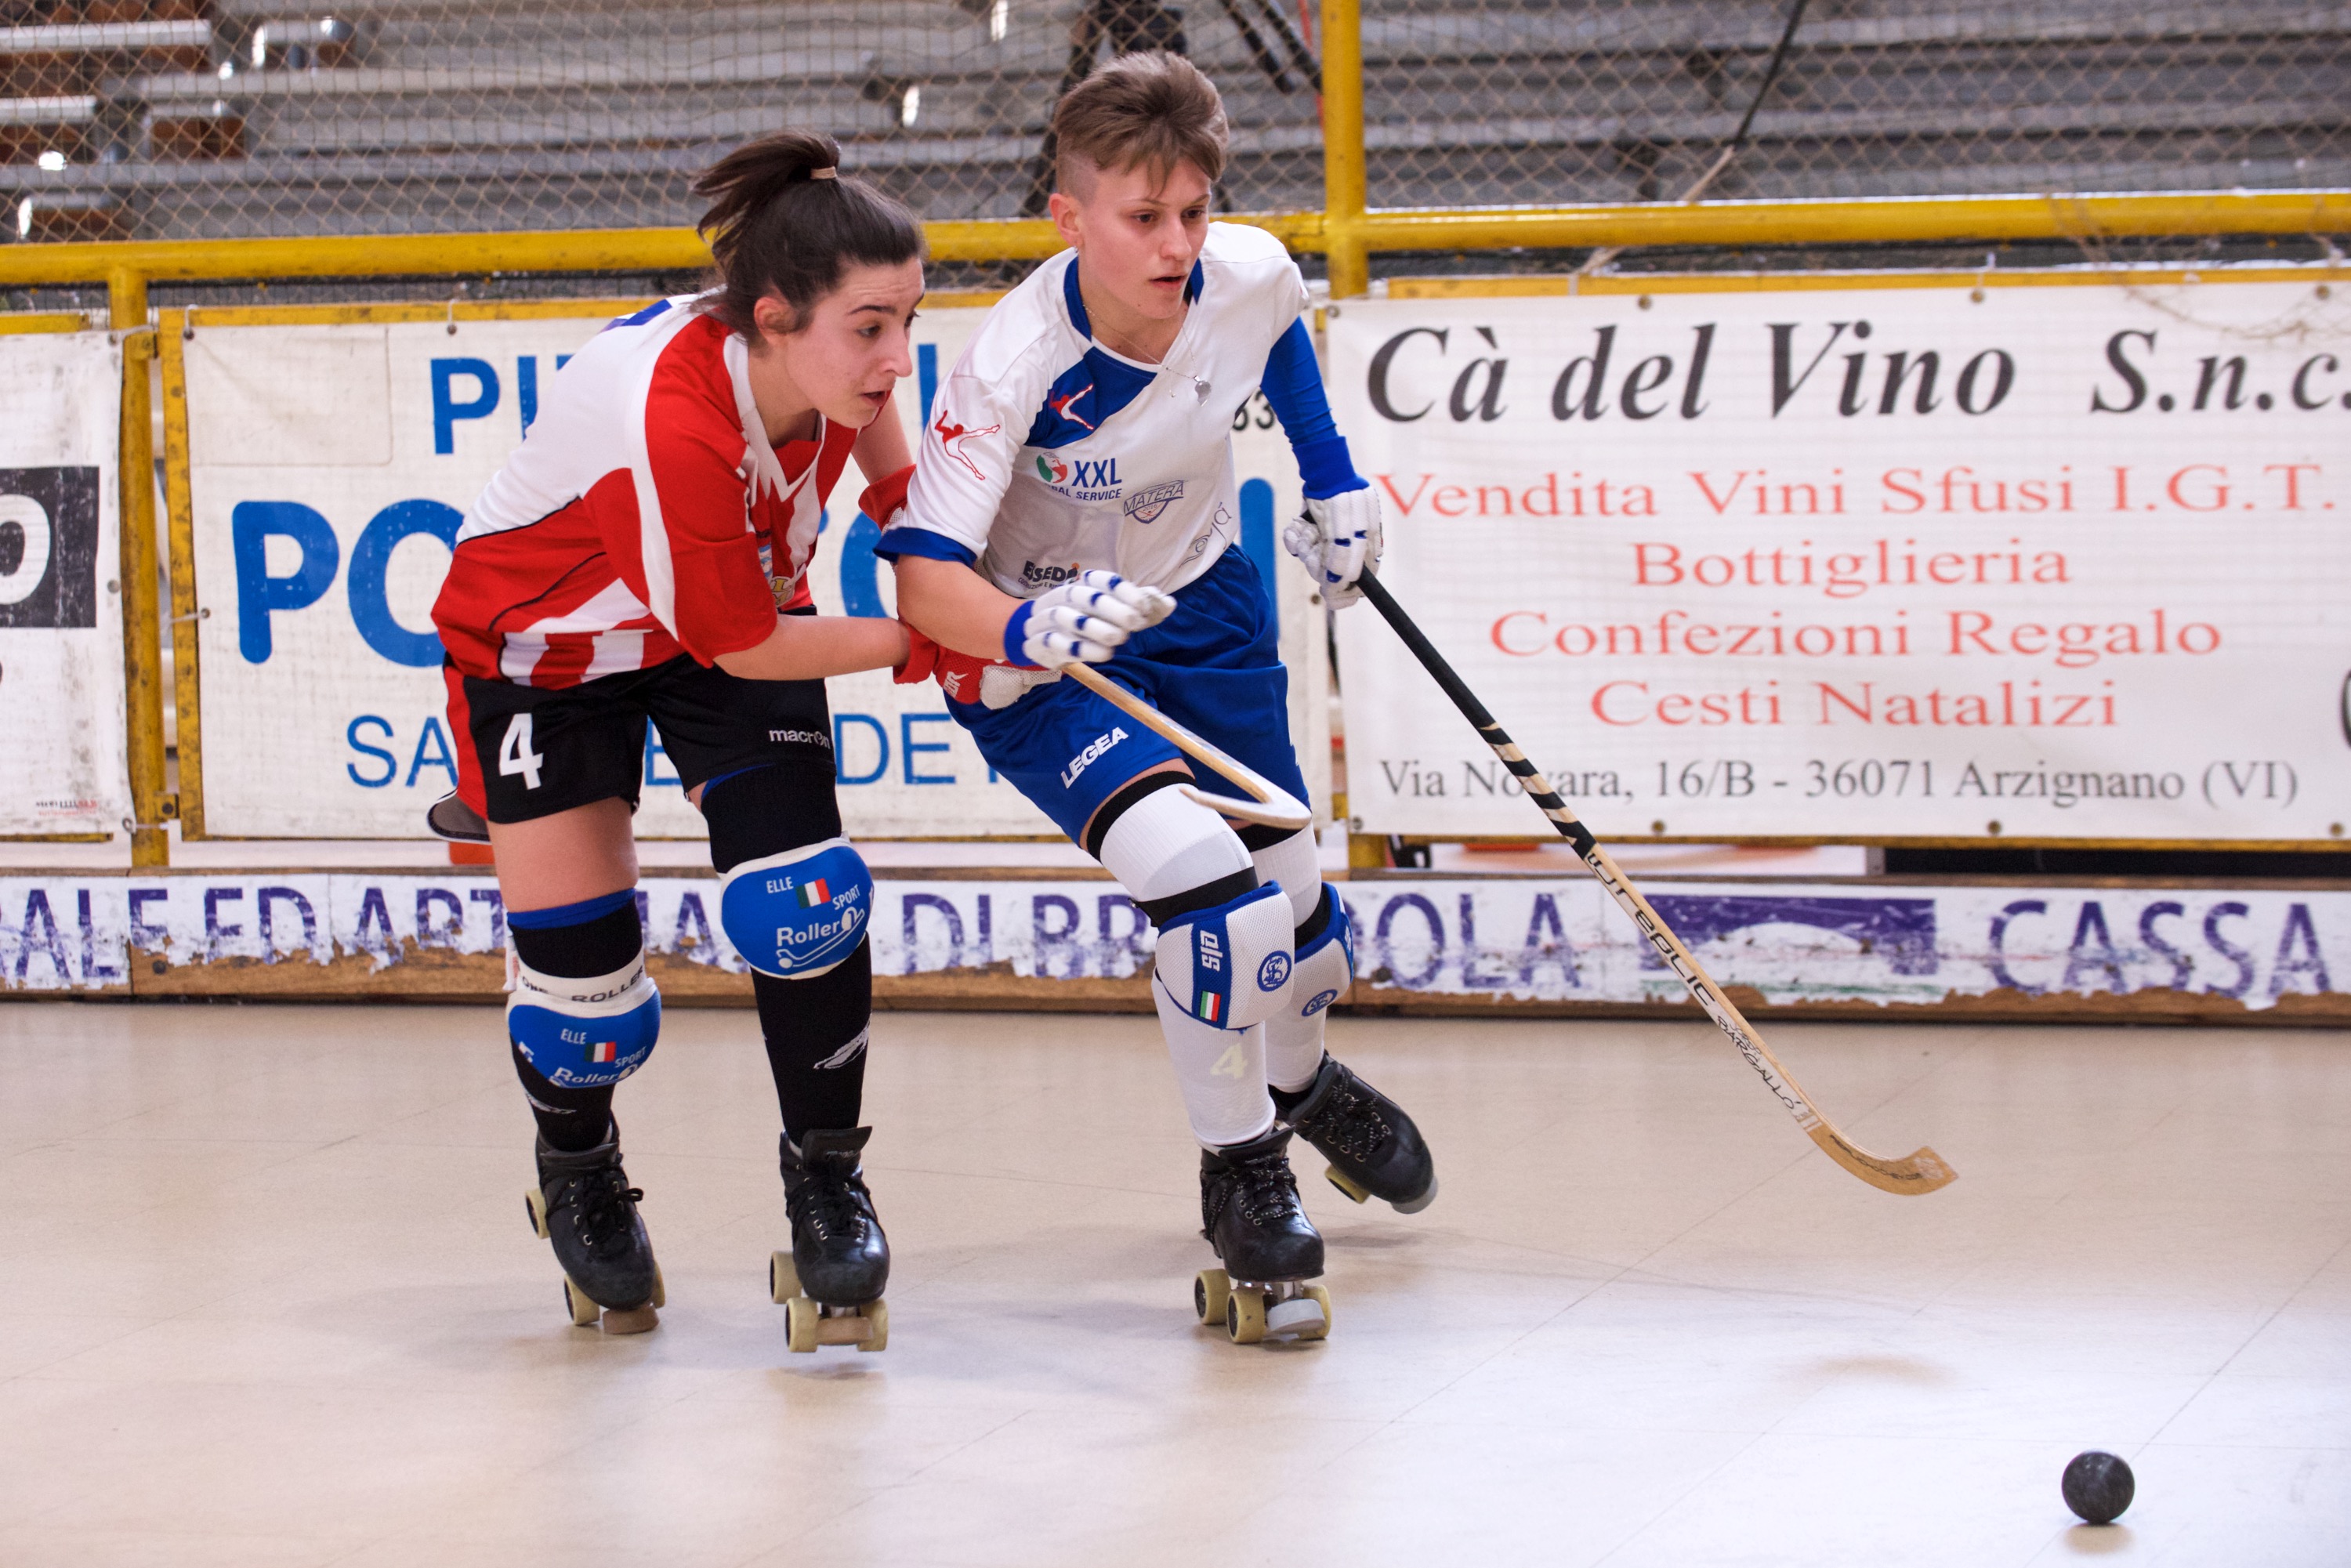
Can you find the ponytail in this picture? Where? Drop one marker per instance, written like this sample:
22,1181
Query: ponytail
783,219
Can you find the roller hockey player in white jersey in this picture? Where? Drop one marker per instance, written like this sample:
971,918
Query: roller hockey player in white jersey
1079,453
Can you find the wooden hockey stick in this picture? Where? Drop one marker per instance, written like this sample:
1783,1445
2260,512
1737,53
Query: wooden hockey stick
1275,808
1920,1172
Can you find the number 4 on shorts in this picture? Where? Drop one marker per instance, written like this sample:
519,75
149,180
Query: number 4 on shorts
515,755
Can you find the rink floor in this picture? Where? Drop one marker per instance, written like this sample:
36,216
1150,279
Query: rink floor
271,1298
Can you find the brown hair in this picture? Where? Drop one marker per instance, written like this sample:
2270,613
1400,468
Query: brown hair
784,221
1154,110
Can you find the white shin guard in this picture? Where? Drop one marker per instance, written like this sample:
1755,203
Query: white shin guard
1221,1072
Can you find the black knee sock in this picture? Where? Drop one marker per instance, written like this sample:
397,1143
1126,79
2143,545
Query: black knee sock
816,1032
575,1119
572,1120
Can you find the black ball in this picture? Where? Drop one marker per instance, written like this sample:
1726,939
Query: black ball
2098,1486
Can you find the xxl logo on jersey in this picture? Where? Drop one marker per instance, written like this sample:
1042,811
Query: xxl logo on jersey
1087,481
1145,505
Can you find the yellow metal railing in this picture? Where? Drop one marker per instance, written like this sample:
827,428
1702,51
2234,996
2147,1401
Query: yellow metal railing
1346,231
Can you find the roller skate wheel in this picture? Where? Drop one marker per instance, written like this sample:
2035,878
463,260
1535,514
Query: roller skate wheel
802,1318
536,1201
1245,1316
585,1314
1301,1316
876,1313
783,1278
1415,1206
660,1291
631,1319
1321,1298
1355,1193
1211,1291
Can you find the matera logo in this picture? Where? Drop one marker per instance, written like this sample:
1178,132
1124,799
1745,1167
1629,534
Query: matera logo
951,436
1145,505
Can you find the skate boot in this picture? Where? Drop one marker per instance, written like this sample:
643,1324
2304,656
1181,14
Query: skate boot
1249,1214
584,1205
1373,1146
830,1282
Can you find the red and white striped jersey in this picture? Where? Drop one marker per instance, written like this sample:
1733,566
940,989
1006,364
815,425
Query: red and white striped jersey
644,516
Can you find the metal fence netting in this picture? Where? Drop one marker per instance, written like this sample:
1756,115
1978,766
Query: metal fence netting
201,118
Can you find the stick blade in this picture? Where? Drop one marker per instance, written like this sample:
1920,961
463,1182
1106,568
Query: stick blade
1286,813
1922,1171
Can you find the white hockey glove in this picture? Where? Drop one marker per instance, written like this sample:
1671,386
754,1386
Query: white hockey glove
1338,540
1085,619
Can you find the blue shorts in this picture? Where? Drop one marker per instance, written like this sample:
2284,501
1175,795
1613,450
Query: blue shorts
1214,666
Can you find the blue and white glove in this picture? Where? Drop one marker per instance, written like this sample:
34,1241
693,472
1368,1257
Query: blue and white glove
1338,539
1084,621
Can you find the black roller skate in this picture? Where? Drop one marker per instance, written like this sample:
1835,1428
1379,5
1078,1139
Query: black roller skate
584,1205
1373,1146
830,1282
1249,1214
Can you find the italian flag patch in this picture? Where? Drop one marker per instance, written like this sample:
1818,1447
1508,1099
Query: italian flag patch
815,892
1210,1007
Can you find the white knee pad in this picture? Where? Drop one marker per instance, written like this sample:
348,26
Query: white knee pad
585,1033
1296,864
798,914
1229,965
1165,844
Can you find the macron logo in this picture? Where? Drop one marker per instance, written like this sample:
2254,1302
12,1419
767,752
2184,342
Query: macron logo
1084,760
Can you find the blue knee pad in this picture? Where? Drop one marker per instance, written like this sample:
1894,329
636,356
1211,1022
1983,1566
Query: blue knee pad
800,912
1326,965
585,1033
1230,964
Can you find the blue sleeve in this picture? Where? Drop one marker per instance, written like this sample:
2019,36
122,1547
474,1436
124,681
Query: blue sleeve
905,540
1293,386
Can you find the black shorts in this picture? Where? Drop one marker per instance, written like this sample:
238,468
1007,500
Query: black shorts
538,750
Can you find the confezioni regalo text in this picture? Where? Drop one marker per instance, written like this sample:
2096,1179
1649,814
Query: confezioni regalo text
1871,561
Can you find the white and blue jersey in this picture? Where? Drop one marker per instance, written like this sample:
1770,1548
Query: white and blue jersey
1047,455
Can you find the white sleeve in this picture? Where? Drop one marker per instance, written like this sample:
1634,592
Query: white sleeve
964,463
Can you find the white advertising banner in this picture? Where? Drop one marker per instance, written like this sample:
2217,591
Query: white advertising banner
1515,939
2054,561
330,464
61,769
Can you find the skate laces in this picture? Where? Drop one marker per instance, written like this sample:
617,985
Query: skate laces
829,1200
1351,1123
1264,1187
603,1202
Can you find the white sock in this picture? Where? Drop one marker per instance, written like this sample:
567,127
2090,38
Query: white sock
1165,844
1221,1072
1298,867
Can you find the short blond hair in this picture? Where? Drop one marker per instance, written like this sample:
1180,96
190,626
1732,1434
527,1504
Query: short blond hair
1154,110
